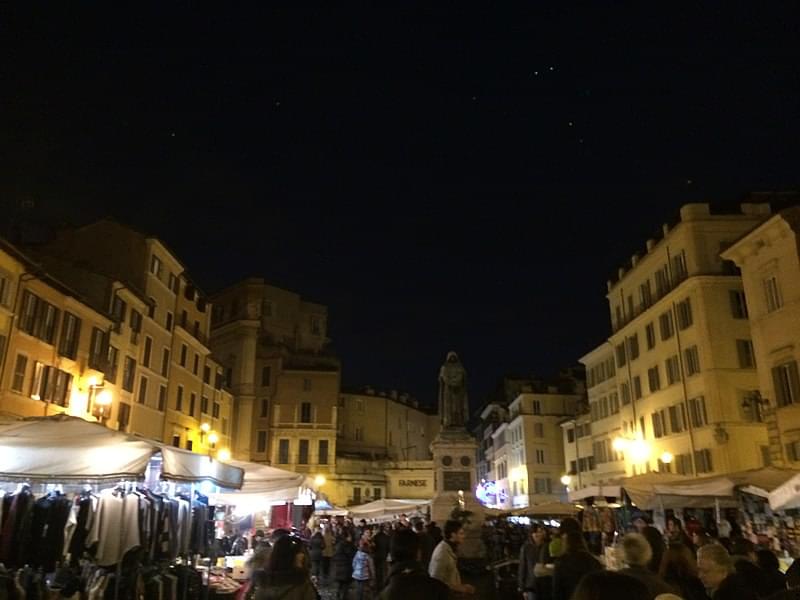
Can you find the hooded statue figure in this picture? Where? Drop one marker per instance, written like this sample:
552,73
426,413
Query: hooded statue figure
453,407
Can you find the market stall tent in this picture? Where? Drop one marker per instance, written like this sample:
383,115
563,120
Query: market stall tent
63,448
264,486
388,508
787,495
607,491
550,509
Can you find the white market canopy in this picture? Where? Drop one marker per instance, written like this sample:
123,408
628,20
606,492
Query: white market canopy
550,509
786,496
264,486
387,508
62,448
607,491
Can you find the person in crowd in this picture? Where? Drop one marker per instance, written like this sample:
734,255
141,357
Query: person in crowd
316,547
715,570
636,553
342,564
676,533
792,591
574,563
608,585
679,570
364,571
774,580
444,562
743,554
657,546
435,532
327,551
557,543
426,542
408,578
534,578
287,576
255,567
700,538
381,542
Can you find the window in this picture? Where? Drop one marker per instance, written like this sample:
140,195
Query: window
673,369
570,435
168,321
539,456
176,441
179,399
5,289
283,452
112,364
621,359
697,412
356,495
650,334
692,358
148,350
637,388
128,374
679,271
702,461
196,365
136,325
305,412
306,385
658,424
206,374
173,284
677,417
633,346
684,314
123,416
772,294
645,294
204,405
36,383
662,281
70,333
155,266
683,464
20,368
316,326
190,445
38,318
162,397
264,407
165,362
118,309
218,379
787,384
151,308
184,352
625,392
537,407
302,454
542,485
538,430
738,304
653,379
613,401
192,403
215,410
377,493
142,389
666,326
323,452
266,376
747,359
224,426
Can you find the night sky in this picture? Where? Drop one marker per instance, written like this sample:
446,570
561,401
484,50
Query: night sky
441,179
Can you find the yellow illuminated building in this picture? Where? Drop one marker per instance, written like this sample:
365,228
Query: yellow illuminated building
668,391
770,264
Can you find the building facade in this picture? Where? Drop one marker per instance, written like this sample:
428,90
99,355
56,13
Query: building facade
769,260
274,348
672,399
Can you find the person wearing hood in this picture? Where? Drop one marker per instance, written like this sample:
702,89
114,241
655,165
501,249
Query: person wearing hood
342,564
407,577
287,576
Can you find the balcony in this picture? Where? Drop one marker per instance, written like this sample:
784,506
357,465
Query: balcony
644,306
193,330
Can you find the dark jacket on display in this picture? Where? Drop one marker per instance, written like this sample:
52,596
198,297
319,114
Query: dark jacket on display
410,580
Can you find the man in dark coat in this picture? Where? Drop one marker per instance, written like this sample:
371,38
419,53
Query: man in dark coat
426,543
381,541
407,577
342,564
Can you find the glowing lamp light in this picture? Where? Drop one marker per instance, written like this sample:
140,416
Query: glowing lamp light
103,398
92,381
224,455
620,444
205,427
640,450
320,480
566,480
666,458
213,438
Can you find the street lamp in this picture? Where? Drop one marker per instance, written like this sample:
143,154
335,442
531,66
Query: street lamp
319,480
103,399
224,455
213,438
566,480
666,457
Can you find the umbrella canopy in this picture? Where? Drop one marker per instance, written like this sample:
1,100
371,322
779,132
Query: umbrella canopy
786,496
65,448
551,509
386,508
608,491
264,485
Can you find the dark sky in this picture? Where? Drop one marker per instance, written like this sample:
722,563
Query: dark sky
441,179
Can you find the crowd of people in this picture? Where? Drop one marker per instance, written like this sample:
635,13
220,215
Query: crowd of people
652,565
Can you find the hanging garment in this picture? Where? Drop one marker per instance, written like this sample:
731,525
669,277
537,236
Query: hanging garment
15,534
49,517
115,528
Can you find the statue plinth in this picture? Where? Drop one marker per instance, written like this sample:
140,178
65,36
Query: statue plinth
455,477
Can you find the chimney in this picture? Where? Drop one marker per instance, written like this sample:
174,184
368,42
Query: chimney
665,229
761,209
650,244
634,260
691,212
620,273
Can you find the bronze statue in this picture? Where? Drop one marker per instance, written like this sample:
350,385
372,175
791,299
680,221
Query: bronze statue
453,405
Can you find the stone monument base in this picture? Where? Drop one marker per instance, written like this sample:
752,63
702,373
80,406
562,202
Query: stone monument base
454,455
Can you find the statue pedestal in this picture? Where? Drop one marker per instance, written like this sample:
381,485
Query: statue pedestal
454,454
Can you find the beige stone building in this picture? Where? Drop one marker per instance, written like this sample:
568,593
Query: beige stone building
273,345
158,336
673,396
383,448
770,264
